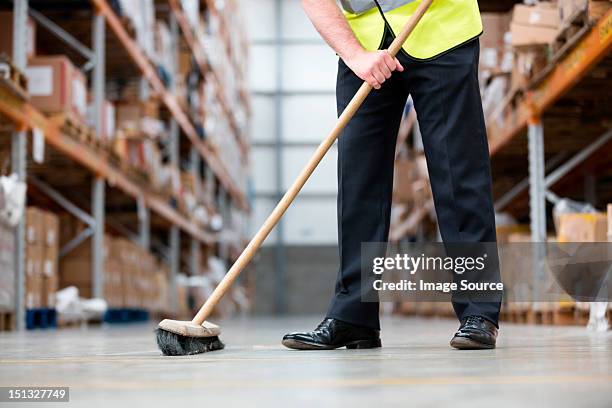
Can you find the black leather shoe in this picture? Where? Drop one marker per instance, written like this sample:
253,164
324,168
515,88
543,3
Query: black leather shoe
475,333
332,334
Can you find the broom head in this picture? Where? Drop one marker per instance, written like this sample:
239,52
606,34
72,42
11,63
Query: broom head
180,338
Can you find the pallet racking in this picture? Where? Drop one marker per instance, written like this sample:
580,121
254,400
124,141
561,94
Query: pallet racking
84,180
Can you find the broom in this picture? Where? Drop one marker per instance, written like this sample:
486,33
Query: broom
175,337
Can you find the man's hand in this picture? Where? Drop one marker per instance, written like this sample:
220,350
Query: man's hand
374,67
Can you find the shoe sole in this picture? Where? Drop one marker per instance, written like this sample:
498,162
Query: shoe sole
465,343
303,345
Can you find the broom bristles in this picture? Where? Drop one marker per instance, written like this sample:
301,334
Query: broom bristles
172,344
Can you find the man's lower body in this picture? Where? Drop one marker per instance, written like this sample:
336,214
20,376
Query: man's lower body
447,100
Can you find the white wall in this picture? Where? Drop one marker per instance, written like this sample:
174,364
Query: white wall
308,112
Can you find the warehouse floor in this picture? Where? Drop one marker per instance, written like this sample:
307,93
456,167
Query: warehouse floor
120,366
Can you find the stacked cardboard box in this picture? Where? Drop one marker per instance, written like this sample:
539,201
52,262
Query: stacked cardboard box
75,268
182,297
522,42
411,181
162,301
496,58
404,175
57,86
114,277
507,232
579,227
533,29
136,145
534,25
140,118
133,278
127,253
493,48
41,264
107,114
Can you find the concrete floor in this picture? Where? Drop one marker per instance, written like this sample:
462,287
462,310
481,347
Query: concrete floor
120,366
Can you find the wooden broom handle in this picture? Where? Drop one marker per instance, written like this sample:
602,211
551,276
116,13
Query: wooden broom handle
250,250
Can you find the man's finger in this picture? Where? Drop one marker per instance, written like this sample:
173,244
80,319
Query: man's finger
384,69
389,62
399,66
370,79
378,75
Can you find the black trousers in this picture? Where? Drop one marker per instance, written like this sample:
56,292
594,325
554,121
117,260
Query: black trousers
447,100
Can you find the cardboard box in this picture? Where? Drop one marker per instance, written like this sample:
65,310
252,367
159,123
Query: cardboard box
51,229
495,25
541,15
113,282
35,226
85,291
140,118
527,63
492,45
34,259
49,294
84,249
404,174
75,271
130,113
524,35
6,39
56,86
576,227
50,261
75,268
34,291
51,254
182,300
79,94
506,232
520,237
108,114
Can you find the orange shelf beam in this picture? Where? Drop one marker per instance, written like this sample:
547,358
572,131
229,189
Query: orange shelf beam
577,63
27,117
206,69
171,102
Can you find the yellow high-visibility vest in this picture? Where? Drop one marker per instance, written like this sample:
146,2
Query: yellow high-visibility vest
445,25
